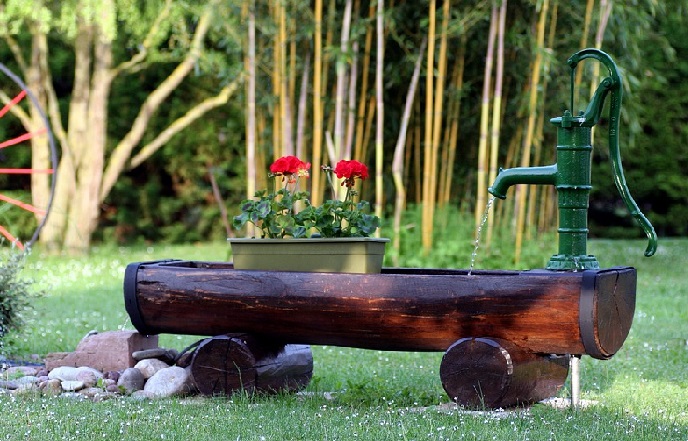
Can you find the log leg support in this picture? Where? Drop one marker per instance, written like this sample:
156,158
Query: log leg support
226,364
486,373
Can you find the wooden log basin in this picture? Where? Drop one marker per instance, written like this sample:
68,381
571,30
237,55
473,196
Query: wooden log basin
545,312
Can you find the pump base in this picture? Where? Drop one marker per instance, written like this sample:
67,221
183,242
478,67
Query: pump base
564,262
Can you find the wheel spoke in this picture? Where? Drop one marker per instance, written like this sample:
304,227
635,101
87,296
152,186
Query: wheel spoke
22,138
13,240
14,101
20,204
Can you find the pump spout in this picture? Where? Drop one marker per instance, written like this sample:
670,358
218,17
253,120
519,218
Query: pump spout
544,175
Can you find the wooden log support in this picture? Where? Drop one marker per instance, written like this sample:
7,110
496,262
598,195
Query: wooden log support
226,364
485,373
588,312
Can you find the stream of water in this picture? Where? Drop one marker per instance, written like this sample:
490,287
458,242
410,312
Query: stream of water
478,233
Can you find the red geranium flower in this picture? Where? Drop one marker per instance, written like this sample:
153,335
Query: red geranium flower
290,165
350,170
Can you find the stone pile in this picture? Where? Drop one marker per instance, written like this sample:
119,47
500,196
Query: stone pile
104,365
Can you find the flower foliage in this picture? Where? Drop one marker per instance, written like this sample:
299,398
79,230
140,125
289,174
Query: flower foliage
276,216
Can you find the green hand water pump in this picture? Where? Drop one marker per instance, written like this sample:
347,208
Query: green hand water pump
571,174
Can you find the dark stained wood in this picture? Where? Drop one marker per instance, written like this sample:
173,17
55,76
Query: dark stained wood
226,364
289,370
222,365
615,310
484,373
400,309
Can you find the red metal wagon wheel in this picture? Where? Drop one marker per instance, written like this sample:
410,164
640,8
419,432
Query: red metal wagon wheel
24,131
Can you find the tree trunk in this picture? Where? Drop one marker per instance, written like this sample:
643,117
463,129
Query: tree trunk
86,206
40,150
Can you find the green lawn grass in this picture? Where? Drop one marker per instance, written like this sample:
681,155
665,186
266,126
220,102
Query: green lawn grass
641,393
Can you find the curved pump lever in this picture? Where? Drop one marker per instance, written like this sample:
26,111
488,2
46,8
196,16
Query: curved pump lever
615,86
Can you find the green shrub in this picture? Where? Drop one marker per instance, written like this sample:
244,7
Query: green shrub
15,292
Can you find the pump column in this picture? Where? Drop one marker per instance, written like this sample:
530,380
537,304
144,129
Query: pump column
574,150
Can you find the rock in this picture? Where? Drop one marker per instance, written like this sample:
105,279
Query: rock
29,379
55,359
67,373
107,351
150,366
168,382
23,371
25,388
91,392
131,380
142,395
111,375
89,378
112,388
63,373
8,385
167,355
52,387
72,386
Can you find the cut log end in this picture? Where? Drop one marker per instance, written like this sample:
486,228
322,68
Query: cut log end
227,364
484,373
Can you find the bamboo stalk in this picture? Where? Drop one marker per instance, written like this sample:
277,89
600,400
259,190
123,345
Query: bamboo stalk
362,99
277,84
426,217
605,11
285,96
496,113
399,153
455,117
438,104
342,73
351,100
379,136
316,194
251,104
540,128
303,109
481,194
418,144
522,190
589,7
367,133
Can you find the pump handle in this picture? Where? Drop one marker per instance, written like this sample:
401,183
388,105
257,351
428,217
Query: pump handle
616,88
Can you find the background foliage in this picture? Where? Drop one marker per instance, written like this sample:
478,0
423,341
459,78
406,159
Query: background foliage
169,198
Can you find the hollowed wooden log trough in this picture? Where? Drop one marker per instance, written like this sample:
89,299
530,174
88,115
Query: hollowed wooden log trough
504,333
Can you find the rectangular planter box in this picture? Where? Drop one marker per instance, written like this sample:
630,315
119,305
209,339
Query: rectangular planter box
344,255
